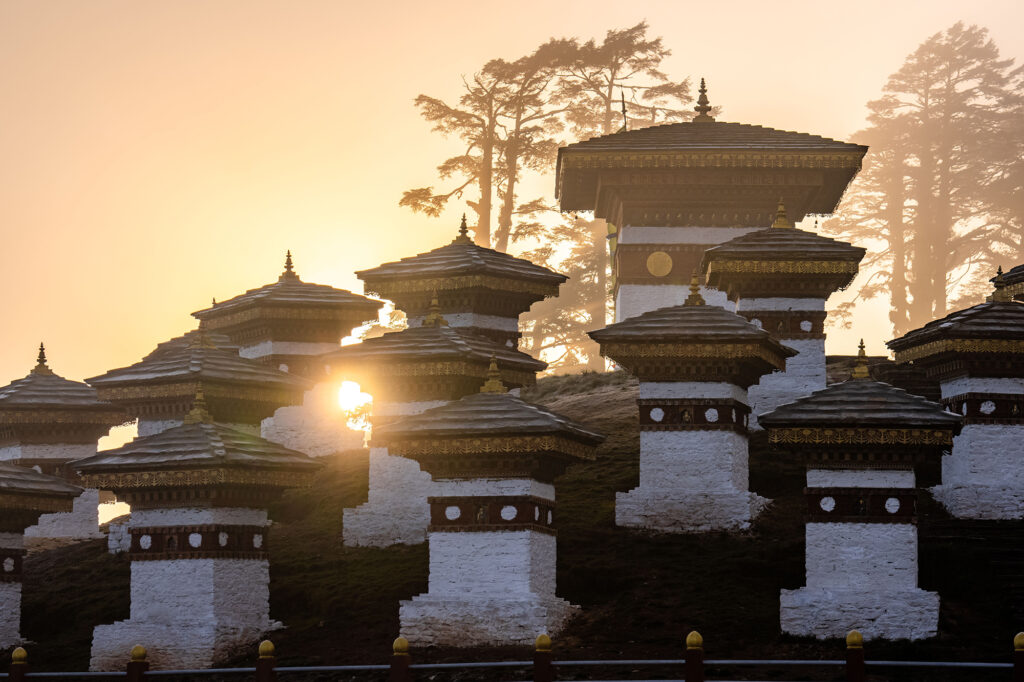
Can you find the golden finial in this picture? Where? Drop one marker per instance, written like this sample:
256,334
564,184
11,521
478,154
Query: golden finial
694,298
20,657
41,367
213,301
434,317
463,237
543,642
780,216
138,654
289,269
493,383
999,292
266,649
1018,642
694,640
703,107
199,414
860,370
400,647
854,640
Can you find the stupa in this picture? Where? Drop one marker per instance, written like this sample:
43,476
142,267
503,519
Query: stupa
199,571
671,192
695,363
494,459
977,354
25,495
780,279
1014,283
47,421
865,444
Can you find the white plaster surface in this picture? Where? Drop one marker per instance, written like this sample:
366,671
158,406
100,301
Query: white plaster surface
396,510
196,516
962,385
645,234
983,477
483,487
10,614
804,374
119,536
505,324
487,588
691,389
690,481
403,409
317,427
59,452
633,299
877,613
860,478
776,304
264,348
81,523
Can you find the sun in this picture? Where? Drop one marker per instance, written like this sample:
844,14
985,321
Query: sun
351,397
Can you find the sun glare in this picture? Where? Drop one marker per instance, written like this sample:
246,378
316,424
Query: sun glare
351,398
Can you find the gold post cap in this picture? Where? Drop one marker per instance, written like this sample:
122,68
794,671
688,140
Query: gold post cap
493,383
1018,642
854,640
543,642
694,640
20,657
780,216
860,370
138,654
400,646
266,649
694,298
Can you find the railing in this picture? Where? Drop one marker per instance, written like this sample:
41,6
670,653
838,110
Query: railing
402,669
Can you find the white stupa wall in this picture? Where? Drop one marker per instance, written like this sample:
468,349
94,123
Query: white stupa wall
265,348
692,480
10,595
860,575
190,613
487,587
396,510
805,371
318,427
496,322
983,477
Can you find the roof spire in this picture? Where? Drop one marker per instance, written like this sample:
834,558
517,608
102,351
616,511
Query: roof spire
860,370
999,292
694,298
199,414
780,216
41,367
434,317
703,107
493,383
463,237
289,270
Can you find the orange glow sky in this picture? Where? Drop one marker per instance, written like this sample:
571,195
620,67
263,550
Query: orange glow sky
156,154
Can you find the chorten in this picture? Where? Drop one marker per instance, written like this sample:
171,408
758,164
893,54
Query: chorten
475,287
199,569
288,323
780,279
47,421
408,372
671,192
25,495
695,363
493,458
1014,283
159,389
977,355
865,444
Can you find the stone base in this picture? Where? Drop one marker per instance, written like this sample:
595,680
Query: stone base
397,512
481,621
981,502
172,646
697,513
10,615
878,614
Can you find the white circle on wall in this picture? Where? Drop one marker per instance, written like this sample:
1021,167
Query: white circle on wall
657,414
988,407
508,512
283,367
146,541
195,539
452,512
257,540
892,505
549,516
536,513
827,503
963,408
711,414
756,322
806,326
222,539
8,565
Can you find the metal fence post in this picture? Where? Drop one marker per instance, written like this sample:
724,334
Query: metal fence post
1018,657
400,661
19,665
137,664
694,657
266,662
543,670
855,657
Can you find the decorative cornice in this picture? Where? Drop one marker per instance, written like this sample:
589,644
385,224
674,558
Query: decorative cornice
385,288
216,541
860,436
785,267
507,445
189,478
861,505
1004,346
685,351
487,514
711,158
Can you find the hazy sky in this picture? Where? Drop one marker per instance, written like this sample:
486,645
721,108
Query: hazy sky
156,154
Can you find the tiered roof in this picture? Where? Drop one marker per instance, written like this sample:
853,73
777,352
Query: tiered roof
26,493
1014,280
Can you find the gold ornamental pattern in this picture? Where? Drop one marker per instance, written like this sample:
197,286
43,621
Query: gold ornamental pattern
85,417
186,478
212,388
860,436
385,288
509,445
34,503
727,351
1009,346
786,267
710,159
274,312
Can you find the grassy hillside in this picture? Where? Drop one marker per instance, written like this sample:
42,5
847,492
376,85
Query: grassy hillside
640,593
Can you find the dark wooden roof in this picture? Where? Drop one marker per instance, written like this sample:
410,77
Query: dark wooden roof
18,480
992,320
222,341
291,292
50,391
783,243
1014,275
861,403
488,414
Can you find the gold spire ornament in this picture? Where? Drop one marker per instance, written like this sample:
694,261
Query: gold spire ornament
780,216
493,383
200,413
1000,294
463,237
694,298
434,317
41,367
289,268
860,370
703,106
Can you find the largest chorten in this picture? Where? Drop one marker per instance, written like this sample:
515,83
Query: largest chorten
670,192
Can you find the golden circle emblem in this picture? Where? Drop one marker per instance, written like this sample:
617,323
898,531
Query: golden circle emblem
659,264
